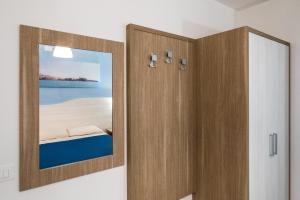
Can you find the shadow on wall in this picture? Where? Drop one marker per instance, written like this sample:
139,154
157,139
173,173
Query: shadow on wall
198,30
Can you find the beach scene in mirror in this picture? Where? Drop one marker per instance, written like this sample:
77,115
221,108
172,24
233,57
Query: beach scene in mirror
75,105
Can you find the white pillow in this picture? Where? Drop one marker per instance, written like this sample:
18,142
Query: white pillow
84,130
45,135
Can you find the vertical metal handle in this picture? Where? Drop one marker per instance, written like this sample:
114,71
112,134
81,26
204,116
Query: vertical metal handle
275,135
271,144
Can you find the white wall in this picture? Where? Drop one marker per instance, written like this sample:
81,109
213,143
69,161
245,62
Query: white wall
103,19
281,18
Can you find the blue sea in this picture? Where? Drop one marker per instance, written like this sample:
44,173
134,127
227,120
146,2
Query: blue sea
53,92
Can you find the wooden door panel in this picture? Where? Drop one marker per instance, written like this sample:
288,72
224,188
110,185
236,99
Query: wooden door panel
160,130
145,129
169,99
187,118
222,146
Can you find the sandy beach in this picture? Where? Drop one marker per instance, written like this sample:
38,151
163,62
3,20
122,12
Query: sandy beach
55,119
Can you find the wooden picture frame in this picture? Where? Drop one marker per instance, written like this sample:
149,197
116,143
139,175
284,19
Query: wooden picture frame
31,175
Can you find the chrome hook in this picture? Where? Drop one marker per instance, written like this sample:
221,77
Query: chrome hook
153,60
183,64
169,56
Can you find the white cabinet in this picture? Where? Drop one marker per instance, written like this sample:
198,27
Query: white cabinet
268,117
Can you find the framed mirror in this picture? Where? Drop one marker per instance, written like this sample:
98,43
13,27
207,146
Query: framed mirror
71,106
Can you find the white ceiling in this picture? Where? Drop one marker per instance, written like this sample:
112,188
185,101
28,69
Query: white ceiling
240,4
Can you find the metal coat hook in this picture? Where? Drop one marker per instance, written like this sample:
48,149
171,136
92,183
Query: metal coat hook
169,56
153,60
183,64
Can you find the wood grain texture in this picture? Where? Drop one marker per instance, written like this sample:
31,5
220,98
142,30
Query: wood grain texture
187,117
213,101
30,174
160,131
146,166
158,32
222,145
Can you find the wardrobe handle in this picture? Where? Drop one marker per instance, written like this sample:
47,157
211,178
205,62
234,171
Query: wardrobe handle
271,144
275,143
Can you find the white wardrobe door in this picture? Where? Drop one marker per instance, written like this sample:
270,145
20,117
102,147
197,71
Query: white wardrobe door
278,59
260,121
281,120
268,114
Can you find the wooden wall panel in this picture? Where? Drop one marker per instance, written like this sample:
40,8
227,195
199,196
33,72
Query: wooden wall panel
222,116
187,117
159,126
146,175
200,116
172,156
